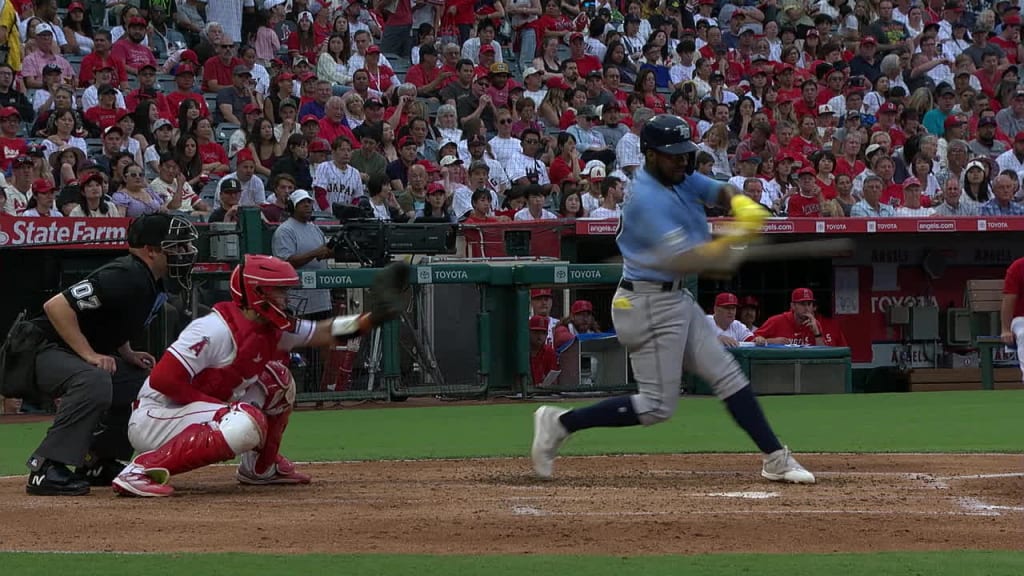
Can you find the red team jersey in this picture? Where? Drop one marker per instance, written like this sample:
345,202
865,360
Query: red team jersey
1014,283
785,325
224,352
542,362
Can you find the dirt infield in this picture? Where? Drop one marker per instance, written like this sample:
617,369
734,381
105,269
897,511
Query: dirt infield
622,505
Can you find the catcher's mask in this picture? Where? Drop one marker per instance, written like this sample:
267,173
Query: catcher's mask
175,236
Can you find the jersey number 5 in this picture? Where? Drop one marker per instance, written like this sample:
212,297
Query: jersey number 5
85,297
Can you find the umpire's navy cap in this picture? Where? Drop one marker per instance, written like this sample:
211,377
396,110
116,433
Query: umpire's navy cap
149,230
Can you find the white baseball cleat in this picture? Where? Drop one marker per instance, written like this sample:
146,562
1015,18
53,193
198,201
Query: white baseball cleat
780,466
548,436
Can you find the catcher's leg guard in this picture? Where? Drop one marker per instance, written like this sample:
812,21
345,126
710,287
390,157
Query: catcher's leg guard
237,429
268,466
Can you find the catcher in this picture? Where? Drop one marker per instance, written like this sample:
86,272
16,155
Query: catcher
223,390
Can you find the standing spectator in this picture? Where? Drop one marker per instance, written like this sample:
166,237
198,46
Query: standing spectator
253,193
189,19
543,360
228,13
337,182
163,39
302,244
78,30
11,145
397,33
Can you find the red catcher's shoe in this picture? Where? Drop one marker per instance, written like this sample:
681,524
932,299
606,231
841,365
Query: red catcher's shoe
137,481
281,472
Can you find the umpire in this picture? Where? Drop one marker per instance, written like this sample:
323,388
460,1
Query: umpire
79,351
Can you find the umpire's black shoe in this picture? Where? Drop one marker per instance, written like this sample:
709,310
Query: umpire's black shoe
48,478
100,473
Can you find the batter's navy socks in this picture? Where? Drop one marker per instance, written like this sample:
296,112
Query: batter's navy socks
747,413
611,413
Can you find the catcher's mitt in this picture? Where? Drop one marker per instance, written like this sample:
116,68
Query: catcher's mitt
390,292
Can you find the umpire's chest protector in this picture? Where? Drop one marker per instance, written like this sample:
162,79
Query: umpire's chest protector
256,343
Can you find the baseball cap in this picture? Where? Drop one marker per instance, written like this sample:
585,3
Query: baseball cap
868,41
42,186
319,145
581,306
1019,137
113,128
162,123
373,49
76,6
230,185
374,102
749,301
887,108
540,293
190,56
137,21
93,175
951,122
944,89
43,28
486,48
726,299
498,68
1011,20
575,36
405,141
479,165
241,70
184,68
802,295
450,160
749,156
51,69
806,171
285,77
872,149
538,324
588,111
435,188
825,110
976,164
530,71
597,173
252,108
911,182
287,102
8,111
244,155
309,118
23,160
299,196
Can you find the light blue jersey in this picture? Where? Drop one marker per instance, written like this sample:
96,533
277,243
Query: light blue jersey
658,224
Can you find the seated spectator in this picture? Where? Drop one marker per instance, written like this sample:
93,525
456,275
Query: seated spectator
912,207
232,100
295,163
282,185
438,207
336,181
955,202
43,55
413,200
92,202
104,114
381,201
173,188
218,69
729,330
253,192
579,321
12,145
60,130
19,187
149,90
136,198
542,354
101,58
104,76
42,201
1002,203
612,195
10,96
229,190
570,206
534,210
65,164
184,82
163,39
871,206
132,49
801,325
482,212
810,200
215,159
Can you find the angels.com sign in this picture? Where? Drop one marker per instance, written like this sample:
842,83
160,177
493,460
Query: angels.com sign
65,233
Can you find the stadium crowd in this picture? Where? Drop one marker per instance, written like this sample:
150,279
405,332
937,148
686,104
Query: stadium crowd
498,110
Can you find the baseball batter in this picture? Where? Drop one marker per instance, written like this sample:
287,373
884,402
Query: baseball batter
663,234
222,389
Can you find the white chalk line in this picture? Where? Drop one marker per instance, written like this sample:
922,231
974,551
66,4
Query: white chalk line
532,511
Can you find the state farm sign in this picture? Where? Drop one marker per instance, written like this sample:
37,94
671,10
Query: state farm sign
64,233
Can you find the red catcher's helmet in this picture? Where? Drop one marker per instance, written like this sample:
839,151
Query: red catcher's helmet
255,273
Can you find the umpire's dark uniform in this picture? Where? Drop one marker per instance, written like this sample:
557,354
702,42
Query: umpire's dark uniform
111,305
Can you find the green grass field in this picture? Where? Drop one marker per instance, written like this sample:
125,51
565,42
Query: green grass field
941,422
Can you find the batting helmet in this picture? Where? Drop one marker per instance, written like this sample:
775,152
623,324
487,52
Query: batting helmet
667,134
255,273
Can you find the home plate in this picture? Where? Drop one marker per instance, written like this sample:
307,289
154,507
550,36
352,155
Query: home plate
747,495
